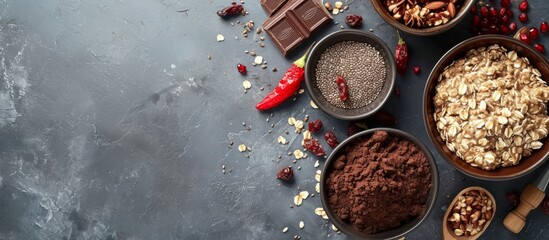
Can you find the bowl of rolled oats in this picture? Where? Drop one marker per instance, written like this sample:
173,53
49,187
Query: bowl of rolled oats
485,107
423,18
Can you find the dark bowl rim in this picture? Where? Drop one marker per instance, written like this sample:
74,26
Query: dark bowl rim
428,31
430,203
426,100
391,78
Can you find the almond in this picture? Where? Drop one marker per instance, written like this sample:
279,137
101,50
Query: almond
435,5
452,9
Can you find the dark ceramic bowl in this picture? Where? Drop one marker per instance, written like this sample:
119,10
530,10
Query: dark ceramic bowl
527,164
357,36
379,6
394,233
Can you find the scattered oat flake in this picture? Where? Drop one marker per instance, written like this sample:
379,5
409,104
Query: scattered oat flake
317,163
317,177
301,224
299,125
246,84
298,200
319,211
220,38
258,60
313,105
282,140
241,147
304,194
285,229
173,66
306,134
402,238
317,187
318,172
298,154
334,228
291,121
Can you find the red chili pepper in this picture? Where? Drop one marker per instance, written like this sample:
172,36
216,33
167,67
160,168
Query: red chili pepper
234,9
287,86
343,89
401,55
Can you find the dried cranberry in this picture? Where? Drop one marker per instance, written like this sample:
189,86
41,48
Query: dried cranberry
544,26
484,11
314,146
513,198
505,3
384,117
232,10
285,174
523,6
523,17
534,33
417,70
513,26
343,89
315,125
331,139
474,10
241,69
545,205
539,47
524,38
353,20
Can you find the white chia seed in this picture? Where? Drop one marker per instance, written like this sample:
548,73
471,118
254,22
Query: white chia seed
360,64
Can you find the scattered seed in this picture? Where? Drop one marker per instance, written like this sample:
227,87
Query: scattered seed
306,118
285,229
317,164
334,228
262,44
246,52
220,38
262,38
301,91
299,168
301,224
243,123
241,147
223,166
263,66
313,105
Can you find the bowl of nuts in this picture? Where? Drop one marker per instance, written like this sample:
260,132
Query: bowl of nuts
350,74
379,184
423,18
469,214
485,107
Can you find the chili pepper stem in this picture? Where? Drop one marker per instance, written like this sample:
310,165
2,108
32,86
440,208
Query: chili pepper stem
400,40
301,61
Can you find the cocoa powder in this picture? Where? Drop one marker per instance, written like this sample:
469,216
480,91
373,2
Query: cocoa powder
379,182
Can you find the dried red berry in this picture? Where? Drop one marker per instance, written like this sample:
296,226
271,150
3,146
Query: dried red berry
241,69
523,17
545,205
331,139
285,174
524,38
385,117
353,20
544,26
315,126
484,11
232,10
343,89
505,3
314,146
533,32
513,26
513,198
474,10
523,6
417,70
539,47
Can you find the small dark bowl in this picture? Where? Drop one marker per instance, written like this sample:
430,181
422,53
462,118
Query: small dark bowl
341,36
527,164
394,233
379,6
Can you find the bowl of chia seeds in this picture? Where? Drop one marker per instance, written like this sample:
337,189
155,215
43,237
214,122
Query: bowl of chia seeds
361,60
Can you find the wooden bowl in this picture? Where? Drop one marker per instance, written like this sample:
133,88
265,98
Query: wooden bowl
527,164
447,232
380,8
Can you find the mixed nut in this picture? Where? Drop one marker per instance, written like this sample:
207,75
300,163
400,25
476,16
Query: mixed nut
423,13
471,213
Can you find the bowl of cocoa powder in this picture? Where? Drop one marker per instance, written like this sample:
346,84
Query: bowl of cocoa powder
379,184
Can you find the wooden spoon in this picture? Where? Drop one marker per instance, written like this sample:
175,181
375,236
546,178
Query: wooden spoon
448,233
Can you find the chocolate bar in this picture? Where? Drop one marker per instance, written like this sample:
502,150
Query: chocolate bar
271,6
295,22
